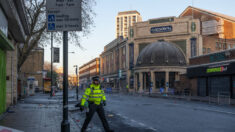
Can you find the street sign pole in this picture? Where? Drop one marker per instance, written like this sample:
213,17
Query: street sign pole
51,63
65,125
64,15
77,82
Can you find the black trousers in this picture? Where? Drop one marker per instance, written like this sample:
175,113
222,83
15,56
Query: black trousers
100,110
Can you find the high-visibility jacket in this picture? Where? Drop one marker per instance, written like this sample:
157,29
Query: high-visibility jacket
93,94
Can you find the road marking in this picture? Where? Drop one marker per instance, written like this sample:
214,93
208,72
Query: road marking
141,124
133,120
213,110
151,128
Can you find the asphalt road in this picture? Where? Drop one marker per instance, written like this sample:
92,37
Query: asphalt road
124,114
165,115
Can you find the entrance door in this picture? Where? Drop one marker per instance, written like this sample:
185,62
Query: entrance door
201,87
219,85
2,81
147,81
160,80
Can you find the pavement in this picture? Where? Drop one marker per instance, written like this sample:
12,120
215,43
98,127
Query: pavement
125,113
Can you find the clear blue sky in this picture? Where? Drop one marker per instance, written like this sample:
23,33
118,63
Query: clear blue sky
106,10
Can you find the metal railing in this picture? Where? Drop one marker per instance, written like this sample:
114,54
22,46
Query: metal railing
220,98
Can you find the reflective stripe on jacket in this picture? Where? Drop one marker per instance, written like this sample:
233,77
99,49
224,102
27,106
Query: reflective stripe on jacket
93,94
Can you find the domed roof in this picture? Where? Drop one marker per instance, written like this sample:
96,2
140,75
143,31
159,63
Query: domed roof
161,54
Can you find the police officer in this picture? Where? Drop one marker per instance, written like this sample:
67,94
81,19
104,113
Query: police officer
96,99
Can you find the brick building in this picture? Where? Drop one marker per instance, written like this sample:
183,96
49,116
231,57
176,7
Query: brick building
113,64
33,67
87,71
213,74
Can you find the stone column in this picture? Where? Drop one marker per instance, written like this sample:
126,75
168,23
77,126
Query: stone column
153,80
141,81
177,76
135,82
167,80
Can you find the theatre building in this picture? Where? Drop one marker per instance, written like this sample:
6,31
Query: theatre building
194,32
213,74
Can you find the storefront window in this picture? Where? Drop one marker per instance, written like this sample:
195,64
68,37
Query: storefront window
171,79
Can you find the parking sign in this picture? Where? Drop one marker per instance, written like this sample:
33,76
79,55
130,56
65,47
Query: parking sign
64,15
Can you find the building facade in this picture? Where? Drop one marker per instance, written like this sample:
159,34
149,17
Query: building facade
213,74
217,30
158,67
33,67
13,31
195,32
87,71
113,65
124,20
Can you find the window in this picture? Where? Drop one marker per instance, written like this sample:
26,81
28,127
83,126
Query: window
123,50
208,50
220,45
193,47
204,50
217,45
224,46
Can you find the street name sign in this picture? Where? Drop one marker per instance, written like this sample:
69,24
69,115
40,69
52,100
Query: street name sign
64,15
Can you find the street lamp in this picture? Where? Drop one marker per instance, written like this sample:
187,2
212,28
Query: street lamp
76,71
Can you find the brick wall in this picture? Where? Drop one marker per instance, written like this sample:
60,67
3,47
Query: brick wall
228,55
33,65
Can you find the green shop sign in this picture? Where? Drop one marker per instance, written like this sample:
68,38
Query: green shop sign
216,69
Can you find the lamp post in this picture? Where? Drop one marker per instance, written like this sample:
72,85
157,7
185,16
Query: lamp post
76,71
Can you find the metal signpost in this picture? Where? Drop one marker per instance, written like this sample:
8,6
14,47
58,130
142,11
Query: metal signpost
51,93
76,71
64,15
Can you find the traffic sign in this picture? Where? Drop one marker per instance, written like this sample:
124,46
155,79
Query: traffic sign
56,55
64,15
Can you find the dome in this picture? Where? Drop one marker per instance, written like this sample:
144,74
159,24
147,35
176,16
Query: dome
161,54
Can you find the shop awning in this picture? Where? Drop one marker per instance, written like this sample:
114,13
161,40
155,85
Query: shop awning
5,43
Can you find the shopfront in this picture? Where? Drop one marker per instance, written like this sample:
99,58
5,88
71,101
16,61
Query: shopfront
214,78
4,46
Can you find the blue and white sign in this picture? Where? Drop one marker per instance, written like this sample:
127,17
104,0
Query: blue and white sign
161,29
51,18
51,26
64,15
